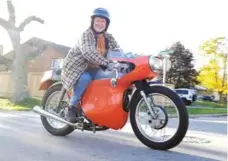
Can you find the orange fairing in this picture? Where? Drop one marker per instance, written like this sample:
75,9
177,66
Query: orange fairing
103,104
142,70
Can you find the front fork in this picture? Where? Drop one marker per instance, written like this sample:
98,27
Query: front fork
149,106
141,86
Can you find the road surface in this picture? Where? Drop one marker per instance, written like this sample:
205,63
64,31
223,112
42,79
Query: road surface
22,138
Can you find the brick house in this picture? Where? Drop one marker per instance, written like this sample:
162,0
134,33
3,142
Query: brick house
42,55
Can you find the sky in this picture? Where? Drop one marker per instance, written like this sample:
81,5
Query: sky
143,26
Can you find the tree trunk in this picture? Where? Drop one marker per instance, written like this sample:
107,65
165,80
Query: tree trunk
220,98
20,62
19,71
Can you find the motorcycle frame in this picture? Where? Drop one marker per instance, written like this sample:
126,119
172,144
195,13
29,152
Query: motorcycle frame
110,107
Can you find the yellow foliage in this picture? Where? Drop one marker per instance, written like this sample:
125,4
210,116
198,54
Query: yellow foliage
214,46
214,75
210,77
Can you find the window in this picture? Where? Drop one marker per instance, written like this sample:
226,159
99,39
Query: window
56,63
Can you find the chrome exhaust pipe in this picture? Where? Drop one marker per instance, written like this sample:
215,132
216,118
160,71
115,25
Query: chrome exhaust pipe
42,112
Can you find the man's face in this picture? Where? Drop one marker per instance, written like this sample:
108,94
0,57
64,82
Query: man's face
99,24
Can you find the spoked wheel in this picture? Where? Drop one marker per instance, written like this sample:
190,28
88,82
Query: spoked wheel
49,103
168,129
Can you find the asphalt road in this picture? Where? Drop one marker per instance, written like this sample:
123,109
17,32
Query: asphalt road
22,138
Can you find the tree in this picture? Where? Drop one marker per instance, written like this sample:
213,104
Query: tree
182,73
214,75
19,64
210,77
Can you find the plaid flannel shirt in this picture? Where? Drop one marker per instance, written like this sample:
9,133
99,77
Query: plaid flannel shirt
81,55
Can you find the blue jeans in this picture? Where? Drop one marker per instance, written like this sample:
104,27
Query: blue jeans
85,79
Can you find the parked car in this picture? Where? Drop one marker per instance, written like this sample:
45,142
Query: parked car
210,98
187,95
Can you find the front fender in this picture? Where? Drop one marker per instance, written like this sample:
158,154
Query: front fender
50,77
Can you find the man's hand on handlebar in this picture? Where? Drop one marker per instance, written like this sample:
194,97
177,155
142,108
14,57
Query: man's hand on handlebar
118,66
113,65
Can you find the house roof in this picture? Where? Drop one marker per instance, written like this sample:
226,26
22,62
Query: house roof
37,46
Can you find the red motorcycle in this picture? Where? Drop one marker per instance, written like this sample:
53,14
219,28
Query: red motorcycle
107,104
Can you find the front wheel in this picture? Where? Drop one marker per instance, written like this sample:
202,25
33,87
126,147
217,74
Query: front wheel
171,111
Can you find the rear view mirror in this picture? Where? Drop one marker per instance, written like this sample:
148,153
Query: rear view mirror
166,52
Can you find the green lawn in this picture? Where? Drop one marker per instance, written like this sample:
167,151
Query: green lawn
207,111
209,104
26,105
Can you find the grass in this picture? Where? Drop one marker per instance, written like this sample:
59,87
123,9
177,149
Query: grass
25,105
209,104
206,111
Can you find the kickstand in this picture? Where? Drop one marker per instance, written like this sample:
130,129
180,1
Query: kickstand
94,128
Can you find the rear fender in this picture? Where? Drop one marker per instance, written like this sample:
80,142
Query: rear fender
50,77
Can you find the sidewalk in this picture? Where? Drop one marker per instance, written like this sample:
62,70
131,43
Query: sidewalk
206,115
217,108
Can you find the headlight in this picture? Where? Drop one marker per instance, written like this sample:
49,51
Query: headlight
156,64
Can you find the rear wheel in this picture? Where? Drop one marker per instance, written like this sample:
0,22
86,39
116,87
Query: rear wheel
49,103
171,111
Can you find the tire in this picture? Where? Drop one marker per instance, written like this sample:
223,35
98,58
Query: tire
194,98
66,130
186,102
183,115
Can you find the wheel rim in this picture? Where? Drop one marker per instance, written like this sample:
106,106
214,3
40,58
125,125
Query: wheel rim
50,105
146,125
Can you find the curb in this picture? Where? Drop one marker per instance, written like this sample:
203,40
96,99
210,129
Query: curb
209,108
207,115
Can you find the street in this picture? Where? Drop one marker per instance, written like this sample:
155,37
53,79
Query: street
23,138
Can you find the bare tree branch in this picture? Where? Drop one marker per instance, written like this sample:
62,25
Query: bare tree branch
5,24
29,20
11,10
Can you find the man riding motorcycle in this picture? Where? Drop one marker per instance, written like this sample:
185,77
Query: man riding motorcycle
88,60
